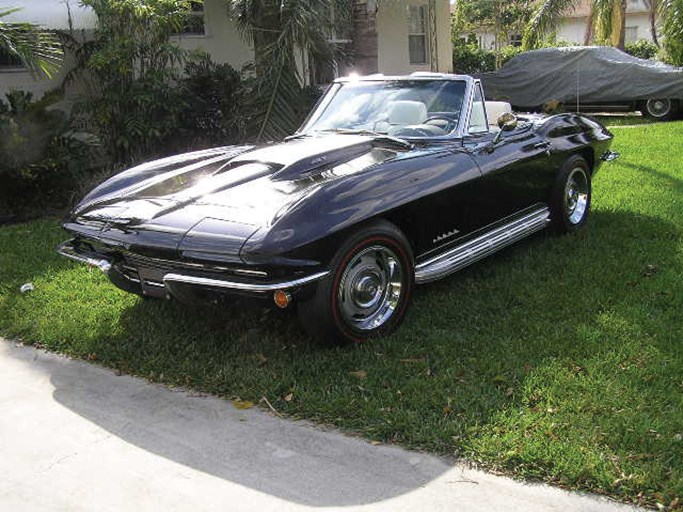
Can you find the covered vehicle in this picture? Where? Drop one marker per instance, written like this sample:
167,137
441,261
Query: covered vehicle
588,78
391,182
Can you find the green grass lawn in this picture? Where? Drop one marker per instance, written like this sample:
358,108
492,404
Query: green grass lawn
559,359
615,120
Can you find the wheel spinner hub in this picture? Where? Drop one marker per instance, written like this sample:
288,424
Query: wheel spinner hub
370,288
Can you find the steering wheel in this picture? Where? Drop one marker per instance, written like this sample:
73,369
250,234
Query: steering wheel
450,121
417,131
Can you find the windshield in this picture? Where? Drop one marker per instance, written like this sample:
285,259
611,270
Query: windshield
399,108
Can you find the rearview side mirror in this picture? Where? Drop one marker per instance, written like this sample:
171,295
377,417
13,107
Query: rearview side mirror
507,122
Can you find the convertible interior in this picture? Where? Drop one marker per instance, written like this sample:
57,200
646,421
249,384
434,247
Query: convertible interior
410,118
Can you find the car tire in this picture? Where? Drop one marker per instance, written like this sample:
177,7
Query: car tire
571,196
659,109
367,291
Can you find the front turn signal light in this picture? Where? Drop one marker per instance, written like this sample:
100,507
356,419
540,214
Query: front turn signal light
282,299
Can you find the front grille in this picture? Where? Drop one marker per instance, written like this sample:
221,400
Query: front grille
137,261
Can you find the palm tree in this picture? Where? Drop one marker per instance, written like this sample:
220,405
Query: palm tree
671,14
281,30
606,21
652,8
38,50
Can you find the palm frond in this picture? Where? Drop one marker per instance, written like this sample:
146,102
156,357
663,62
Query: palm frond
671,13
38,49
279,30
545,20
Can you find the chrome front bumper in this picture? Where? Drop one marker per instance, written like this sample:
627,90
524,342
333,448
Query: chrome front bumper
172,279
67,250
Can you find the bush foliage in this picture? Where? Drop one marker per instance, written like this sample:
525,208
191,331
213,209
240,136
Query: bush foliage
42,157
643,49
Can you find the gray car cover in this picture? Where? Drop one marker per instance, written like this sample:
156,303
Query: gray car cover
599,74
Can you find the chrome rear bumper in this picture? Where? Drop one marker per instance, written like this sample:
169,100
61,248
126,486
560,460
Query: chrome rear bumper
172,279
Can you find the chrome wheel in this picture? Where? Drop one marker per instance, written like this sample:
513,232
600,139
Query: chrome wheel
658,107
576,196
370,288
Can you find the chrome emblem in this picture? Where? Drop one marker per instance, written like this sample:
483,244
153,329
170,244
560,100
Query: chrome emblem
448,234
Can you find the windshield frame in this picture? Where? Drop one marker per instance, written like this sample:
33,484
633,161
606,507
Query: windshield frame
338,84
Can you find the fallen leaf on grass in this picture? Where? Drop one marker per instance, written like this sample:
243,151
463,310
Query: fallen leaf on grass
288,397
500,379
412,360
359,374
242,404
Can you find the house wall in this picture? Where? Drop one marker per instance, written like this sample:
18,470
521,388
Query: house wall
392,38
221,40
48,13
574,29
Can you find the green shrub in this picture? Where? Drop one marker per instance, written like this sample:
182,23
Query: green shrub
643,49
508,52
213,98
133,71
469,59
42,159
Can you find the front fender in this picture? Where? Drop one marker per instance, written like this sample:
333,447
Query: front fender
344,203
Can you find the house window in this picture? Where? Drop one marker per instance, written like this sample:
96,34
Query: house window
516,40
194,20
341,39
631,34
9,61
417,35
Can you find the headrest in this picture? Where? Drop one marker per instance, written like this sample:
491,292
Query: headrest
407,112
494,109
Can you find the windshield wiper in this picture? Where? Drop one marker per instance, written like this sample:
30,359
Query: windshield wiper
296,136
380,136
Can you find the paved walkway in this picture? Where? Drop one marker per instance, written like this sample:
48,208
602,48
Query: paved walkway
74,436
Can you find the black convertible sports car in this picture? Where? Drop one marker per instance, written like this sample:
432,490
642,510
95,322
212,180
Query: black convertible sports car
391,182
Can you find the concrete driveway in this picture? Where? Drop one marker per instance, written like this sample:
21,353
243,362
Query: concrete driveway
74,436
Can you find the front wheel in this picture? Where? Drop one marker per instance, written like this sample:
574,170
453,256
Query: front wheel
571,196
367,291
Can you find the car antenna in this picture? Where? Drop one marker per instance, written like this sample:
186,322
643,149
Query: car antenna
578,71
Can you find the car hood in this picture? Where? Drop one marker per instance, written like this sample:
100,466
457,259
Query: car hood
212,201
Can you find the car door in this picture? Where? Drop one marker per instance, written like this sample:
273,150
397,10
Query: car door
515,169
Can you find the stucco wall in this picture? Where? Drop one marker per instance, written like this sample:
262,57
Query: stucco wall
392,37
574,29
221,39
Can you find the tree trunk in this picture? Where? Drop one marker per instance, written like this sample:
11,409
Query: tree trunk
590,27
652,7
622,28
365,54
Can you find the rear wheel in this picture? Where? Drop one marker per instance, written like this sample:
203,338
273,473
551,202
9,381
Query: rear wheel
368,289
571,197
659,109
